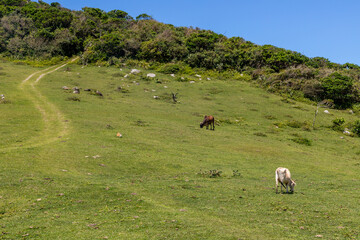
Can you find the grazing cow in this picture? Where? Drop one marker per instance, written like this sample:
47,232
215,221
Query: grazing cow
76,90
98,93
283,176
208,120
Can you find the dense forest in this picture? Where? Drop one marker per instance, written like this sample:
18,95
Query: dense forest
38,30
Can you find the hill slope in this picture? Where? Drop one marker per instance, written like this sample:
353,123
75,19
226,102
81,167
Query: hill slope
155,182
33,31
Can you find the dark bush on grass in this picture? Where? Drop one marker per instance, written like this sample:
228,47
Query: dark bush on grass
260,134
182,79
117,75
302,140
211,173
75,99
338,124
170,68
356,127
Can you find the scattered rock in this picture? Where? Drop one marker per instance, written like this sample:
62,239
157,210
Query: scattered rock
173,75
192,81
208,79
165,87
197,75
351,111
64,87
135,71
151,75
156,97
326,111
319,236
347,132
183,210
126,75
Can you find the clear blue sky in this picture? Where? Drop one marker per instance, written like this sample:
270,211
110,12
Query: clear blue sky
325,28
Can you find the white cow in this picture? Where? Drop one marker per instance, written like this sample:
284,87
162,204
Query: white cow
283,176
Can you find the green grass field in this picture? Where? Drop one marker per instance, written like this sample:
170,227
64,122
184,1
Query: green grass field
66,175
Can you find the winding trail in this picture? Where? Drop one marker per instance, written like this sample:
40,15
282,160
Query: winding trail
54,125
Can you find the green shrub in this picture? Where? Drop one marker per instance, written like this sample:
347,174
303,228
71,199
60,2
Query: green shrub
75,99
338,124
356,127
170,68
302,140
339,88
211,173
260,134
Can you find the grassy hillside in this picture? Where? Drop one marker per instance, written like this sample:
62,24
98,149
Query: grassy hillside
65,174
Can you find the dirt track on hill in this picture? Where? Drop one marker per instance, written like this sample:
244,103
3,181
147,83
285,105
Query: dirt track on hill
55,127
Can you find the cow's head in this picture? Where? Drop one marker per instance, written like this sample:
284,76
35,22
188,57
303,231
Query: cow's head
292,185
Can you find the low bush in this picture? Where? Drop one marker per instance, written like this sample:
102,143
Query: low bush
338,124
75,99
356,127
211,173
302,140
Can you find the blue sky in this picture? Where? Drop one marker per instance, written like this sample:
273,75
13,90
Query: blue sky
325,28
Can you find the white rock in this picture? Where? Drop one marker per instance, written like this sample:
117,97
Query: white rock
326,111
182,78
152,75
351,111
156,97
165,87
126,76
135,71
347,132
120,69
208,79
197,75
192,81
173,75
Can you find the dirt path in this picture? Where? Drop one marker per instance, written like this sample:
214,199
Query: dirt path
54,126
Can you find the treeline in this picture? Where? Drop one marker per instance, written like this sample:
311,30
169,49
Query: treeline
40,30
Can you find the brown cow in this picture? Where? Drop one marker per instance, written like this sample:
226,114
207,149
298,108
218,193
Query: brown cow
208,120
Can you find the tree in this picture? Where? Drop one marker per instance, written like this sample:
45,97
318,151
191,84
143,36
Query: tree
119,14
144,16
339,88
